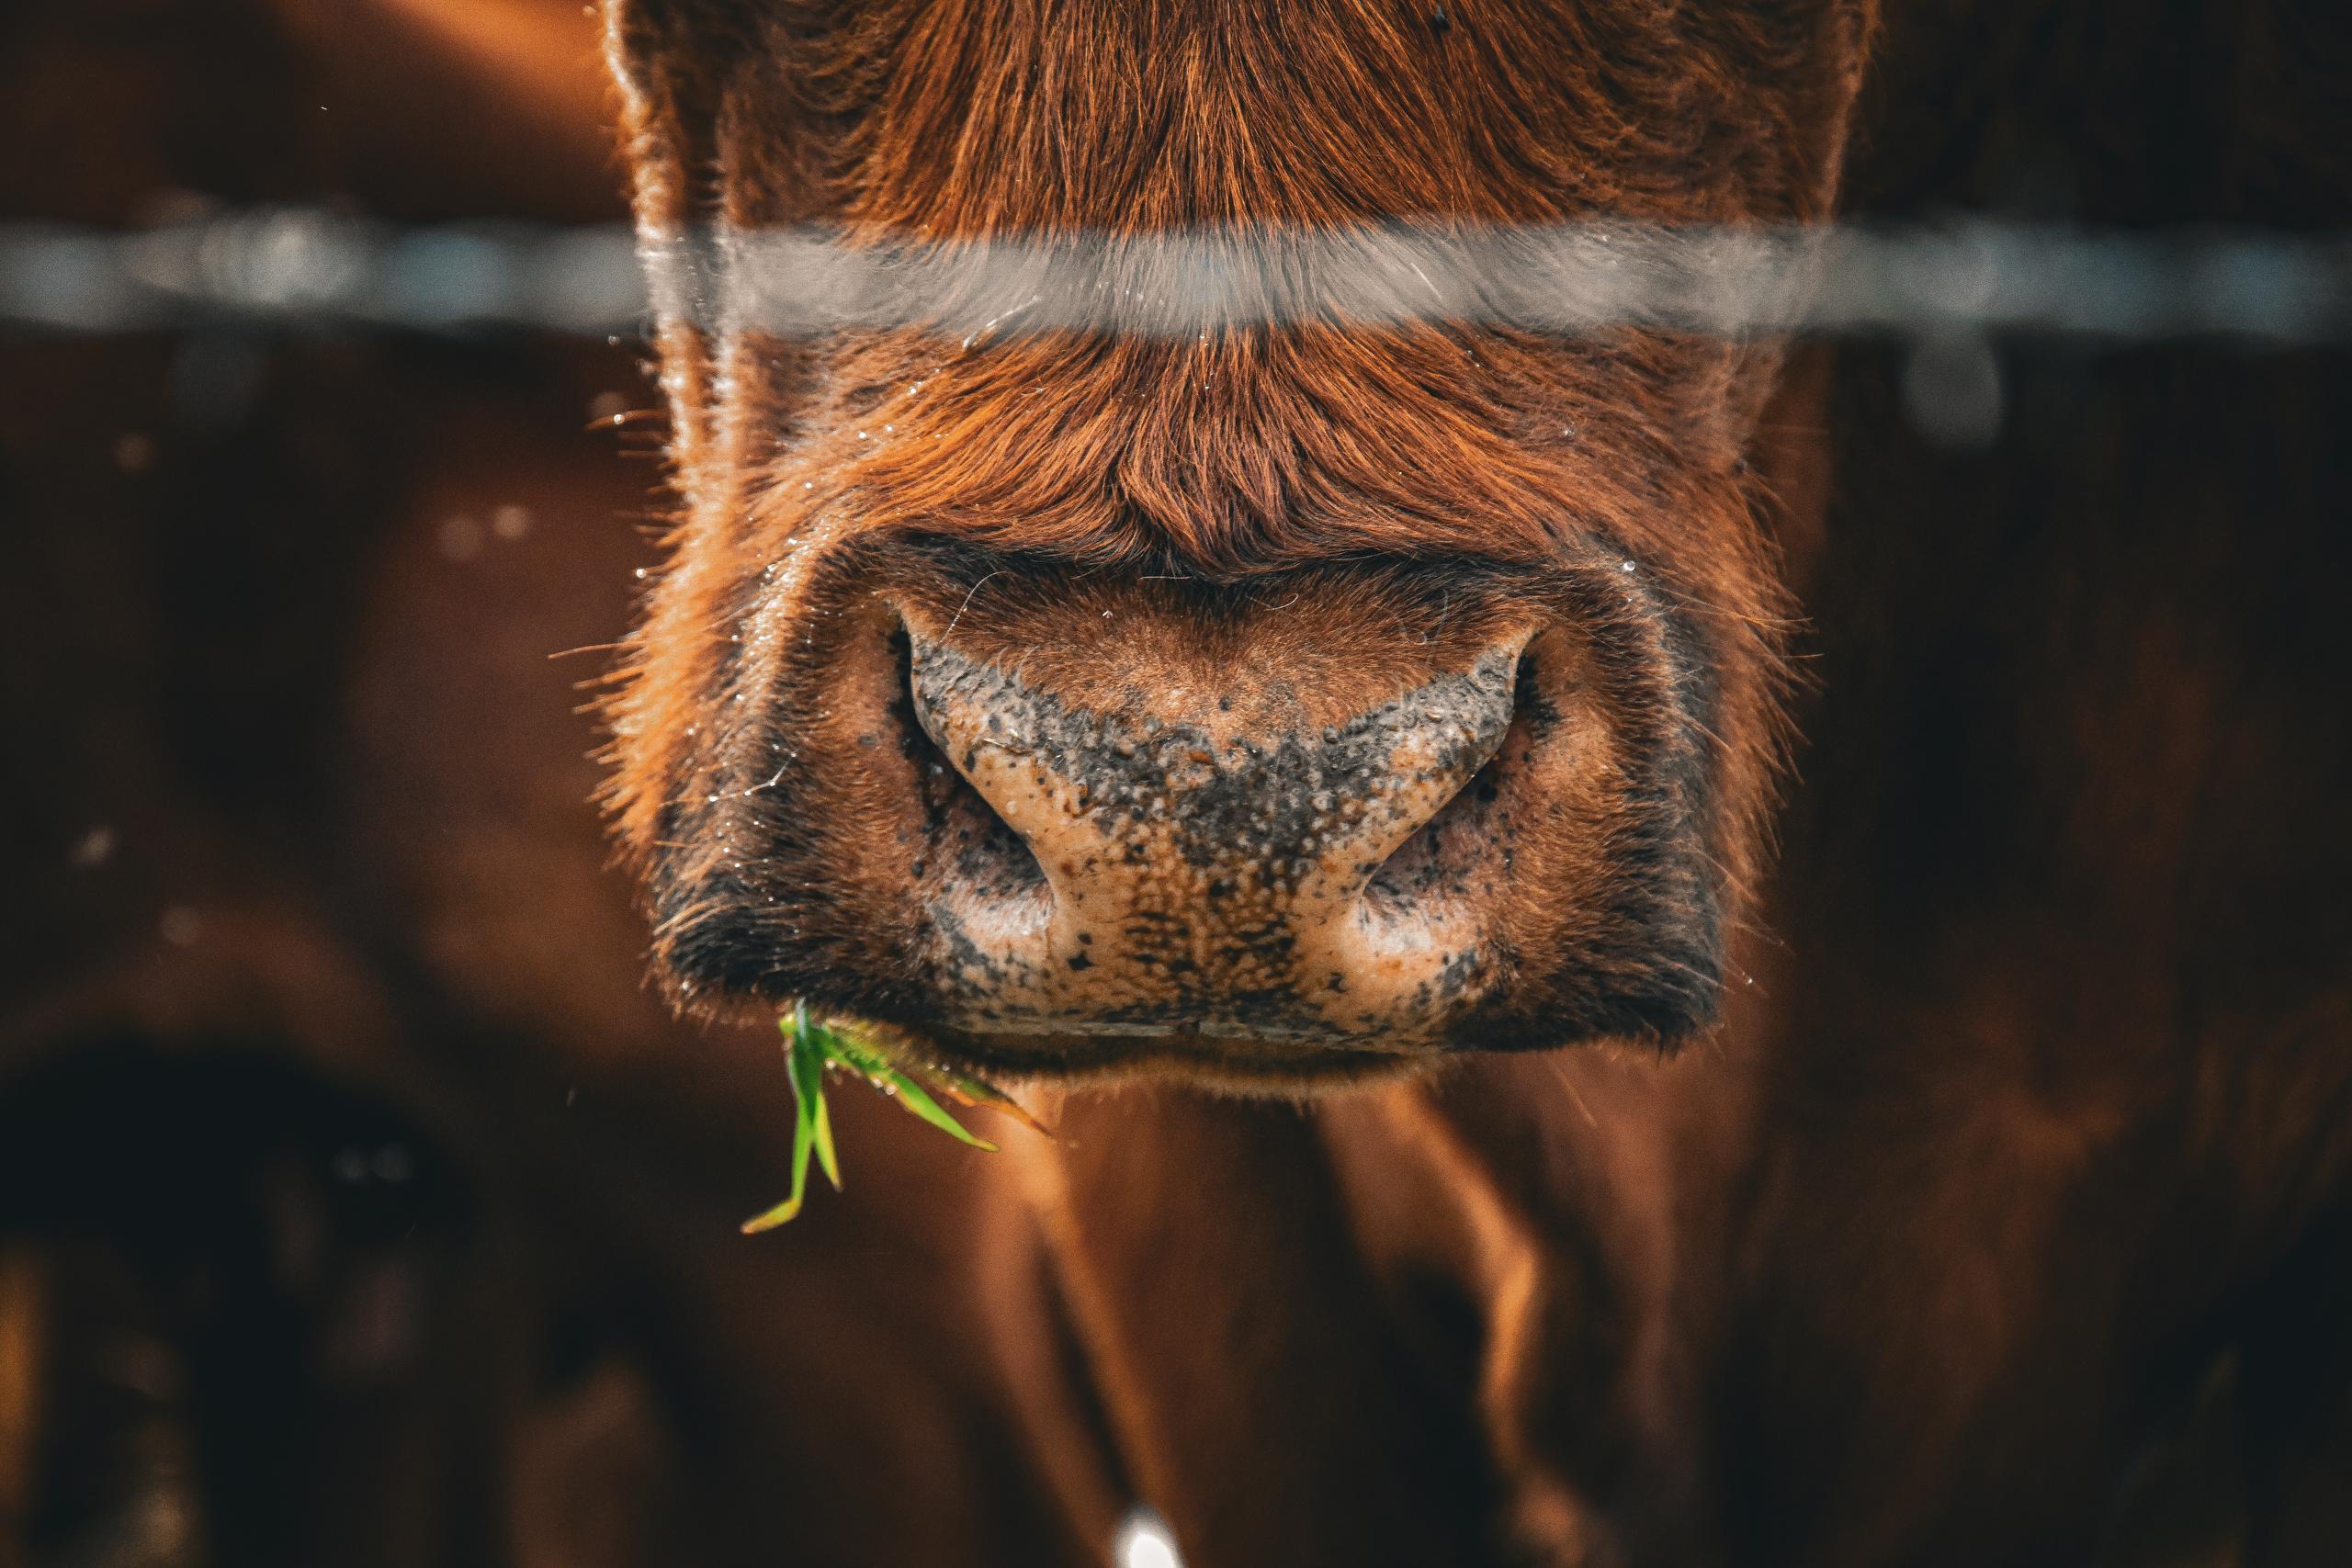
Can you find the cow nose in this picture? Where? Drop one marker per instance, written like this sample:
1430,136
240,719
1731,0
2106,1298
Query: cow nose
1253,869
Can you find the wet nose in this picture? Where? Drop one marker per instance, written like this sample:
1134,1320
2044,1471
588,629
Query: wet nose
1203,872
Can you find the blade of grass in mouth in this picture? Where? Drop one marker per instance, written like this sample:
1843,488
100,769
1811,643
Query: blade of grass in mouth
810,1047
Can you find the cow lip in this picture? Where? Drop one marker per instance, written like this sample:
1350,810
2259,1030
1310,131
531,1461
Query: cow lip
1243,1062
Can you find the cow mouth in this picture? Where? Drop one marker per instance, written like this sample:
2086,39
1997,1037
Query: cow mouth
1242,1060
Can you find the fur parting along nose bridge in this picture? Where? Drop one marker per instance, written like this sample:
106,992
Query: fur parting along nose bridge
1237,454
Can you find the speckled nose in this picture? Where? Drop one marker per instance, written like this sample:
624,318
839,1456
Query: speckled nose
1221,867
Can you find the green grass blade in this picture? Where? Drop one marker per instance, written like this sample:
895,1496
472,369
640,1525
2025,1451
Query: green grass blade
824,1135
860,1057
809,1048
973,1091
917,1101
857,1055
812,1130
803,1140
783,1213
811,1052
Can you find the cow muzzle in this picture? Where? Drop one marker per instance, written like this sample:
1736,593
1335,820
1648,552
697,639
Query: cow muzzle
1307,825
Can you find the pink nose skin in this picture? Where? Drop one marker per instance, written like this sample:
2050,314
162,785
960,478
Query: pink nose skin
1202,878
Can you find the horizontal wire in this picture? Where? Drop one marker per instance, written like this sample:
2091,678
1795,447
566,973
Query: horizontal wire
303,268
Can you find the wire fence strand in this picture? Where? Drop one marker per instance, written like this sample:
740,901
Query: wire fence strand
300,268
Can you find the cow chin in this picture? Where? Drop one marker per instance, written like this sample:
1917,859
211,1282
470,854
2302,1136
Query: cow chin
1313,826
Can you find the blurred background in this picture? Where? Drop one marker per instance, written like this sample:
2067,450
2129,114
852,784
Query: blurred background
357,1204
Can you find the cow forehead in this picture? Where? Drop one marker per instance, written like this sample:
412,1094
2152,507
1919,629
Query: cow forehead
1272,148
947,117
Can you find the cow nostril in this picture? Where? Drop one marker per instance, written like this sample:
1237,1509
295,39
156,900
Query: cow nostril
969,844
1446,856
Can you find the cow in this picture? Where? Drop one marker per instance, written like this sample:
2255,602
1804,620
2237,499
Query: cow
1332,770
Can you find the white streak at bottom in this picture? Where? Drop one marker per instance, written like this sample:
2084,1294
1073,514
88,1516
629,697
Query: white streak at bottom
1145,1541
